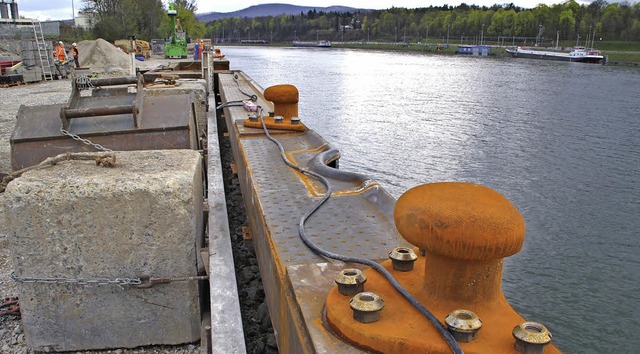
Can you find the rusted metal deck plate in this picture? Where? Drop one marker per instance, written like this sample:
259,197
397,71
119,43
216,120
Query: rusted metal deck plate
347,224
357,221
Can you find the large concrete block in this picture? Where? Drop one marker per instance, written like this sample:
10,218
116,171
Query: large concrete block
77,220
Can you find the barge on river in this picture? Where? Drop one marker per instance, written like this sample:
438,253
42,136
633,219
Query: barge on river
317,44
346,268
578,54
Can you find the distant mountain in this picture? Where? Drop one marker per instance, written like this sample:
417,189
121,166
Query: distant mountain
271,10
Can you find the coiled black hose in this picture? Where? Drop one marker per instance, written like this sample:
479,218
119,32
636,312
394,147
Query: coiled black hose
453,344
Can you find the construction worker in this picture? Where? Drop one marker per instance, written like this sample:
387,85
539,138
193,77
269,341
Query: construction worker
196,51
201,49
74,53
60,54
60,60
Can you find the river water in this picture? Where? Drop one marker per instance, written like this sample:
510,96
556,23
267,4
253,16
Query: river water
560,140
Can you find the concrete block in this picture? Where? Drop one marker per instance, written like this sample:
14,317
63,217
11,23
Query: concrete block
197,87
78,220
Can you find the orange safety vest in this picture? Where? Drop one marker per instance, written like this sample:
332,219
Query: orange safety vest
59,53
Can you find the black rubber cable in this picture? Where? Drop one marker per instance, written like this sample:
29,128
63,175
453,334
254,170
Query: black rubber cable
253,98
238,103
448,337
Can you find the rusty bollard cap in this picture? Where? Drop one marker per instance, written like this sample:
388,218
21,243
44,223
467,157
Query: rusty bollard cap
460,220
284,93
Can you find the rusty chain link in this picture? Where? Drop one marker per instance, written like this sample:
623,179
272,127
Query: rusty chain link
84,141
143,282
79,281
10,306
83,82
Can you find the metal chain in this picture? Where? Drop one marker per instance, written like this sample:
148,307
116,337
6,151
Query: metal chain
85,141
141,283
83,82
78,281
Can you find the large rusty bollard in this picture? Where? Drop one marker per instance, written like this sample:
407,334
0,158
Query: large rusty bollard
465,231
285,109
285,100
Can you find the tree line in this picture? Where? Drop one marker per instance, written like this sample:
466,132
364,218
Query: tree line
568,20
147,19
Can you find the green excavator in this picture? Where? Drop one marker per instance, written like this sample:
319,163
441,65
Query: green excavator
176,46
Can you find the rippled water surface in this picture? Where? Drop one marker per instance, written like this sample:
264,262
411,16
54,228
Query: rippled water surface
560,140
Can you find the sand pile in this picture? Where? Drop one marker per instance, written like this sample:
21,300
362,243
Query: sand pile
102,55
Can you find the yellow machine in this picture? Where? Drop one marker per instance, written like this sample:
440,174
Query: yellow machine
133,45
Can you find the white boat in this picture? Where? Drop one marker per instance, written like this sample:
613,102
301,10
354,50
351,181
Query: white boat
320,44
578,54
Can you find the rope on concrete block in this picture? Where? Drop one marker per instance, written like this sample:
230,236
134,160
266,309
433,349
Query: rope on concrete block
102,159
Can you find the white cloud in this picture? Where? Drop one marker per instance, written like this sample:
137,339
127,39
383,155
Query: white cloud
46,15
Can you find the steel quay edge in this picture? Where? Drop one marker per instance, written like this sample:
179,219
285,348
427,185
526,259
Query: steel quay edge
358,220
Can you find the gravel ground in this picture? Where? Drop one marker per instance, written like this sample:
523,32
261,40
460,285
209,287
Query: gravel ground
259,335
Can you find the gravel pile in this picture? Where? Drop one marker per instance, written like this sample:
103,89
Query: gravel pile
103,56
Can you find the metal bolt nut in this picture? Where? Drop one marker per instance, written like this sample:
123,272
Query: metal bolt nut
402,258
350,281
366,307
271,114
295,120
278,119
531,337
463,325
253,118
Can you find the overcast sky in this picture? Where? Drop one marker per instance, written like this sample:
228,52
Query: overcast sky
61,9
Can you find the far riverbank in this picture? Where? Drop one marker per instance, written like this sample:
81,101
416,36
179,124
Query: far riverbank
618,53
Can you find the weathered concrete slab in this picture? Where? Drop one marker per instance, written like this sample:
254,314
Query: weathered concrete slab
197,87
77,220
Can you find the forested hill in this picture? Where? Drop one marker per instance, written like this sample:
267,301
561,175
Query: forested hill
271,10
566,21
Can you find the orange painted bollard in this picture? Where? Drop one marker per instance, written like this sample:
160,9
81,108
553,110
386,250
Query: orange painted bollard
285,109
465,231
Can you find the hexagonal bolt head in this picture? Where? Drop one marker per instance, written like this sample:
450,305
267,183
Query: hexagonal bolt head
531,337
350,281
366,307
402,258
295,120
278,119
463,325
253,118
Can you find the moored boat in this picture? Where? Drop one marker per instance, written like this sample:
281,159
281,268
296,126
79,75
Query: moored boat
319,44
578,54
